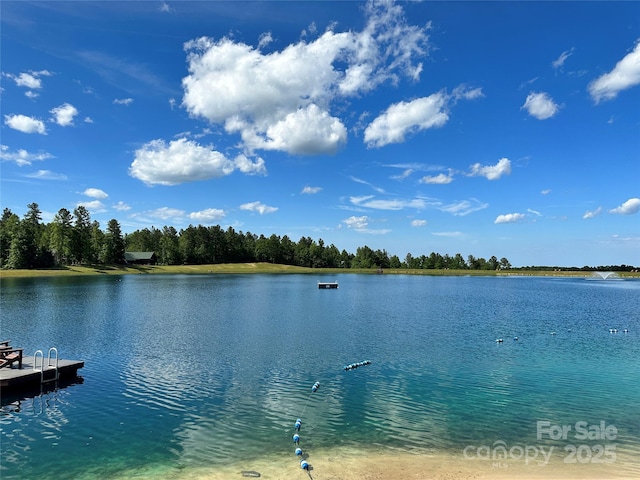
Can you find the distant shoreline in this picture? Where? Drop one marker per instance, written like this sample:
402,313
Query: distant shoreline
269,268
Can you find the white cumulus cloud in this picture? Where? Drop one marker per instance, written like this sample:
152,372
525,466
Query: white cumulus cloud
25,124
357,223
95,193
307,131
29,80
63,115
491,172
625,74
404,118
629,207
311,190
283,100
208,215
418,223
510,218
183,161
540,105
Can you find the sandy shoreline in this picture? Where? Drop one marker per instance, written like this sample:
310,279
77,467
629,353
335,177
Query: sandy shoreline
351,465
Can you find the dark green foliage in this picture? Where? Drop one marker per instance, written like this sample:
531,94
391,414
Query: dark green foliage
75,239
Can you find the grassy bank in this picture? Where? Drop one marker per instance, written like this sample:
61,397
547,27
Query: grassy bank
240,268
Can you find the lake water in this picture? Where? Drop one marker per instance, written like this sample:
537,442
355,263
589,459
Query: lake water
185,372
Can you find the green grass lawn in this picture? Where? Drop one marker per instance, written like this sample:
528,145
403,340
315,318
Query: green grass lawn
235,268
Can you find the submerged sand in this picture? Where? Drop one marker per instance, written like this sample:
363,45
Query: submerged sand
359,465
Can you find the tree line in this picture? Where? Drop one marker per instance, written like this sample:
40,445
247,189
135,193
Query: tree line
72,238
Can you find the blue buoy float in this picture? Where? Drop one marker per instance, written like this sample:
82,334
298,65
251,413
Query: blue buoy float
298,425
315,387
304,465
296,438
298,451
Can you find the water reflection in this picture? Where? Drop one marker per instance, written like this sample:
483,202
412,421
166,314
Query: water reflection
201,370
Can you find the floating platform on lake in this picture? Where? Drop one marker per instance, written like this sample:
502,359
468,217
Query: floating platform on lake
15,379
327,284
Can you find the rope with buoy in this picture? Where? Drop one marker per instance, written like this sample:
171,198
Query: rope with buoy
298,423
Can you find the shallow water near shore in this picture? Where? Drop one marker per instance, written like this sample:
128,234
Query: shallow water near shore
193,375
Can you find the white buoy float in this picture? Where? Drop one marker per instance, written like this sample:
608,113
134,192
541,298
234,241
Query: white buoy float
352,366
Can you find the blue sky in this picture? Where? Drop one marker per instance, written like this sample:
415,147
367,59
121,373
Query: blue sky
507,129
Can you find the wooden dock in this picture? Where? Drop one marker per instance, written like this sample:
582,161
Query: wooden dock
13,379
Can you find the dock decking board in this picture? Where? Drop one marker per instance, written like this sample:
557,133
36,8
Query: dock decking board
12,379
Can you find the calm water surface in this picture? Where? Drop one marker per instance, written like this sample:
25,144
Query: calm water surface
189,371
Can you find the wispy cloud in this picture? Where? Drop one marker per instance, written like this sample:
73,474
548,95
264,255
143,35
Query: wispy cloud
22,157
361,225
463,207
121,206
258,207
559,62
47,175
440,179
95,206
369,201
123,101
307,190
364,182
592,213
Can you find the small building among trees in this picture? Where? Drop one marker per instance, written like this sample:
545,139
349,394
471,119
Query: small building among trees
141,258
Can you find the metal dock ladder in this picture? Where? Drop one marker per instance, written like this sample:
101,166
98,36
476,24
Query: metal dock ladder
39,353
